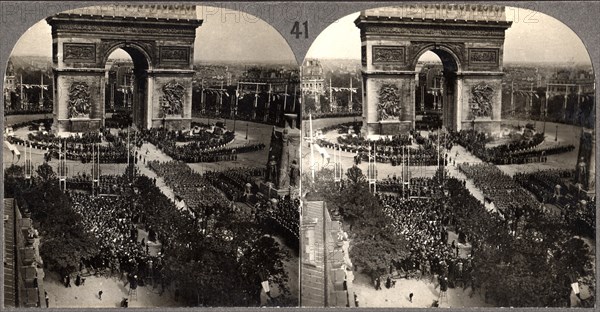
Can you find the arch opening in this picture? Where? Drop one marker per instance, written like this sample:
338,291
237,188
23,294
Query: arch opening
126,85
435,101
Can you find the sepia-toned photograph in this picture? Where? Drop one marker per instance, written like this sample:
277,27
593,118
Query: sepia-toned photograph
151,159
448,156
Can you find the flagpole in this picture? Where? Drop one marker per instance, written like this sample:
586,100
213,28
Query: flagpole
268,108
255,103
21,87
546,109
41,90
312,149
350,103
202,97
237,97
285,95
330,94
531,102
512,97
565,103
577,114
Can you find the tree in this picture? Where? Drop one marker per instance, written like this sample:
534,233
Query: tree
355,175
14,181
45,172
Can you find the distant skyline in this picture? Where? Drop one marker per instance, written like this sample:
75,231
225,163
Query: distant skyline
225,36
534,37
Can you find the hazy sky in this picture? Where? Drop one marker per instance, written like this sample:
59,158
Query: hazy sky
533,37
225,35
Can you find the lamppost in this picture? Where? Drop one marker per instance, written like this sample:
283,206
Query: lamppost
246,131
556,136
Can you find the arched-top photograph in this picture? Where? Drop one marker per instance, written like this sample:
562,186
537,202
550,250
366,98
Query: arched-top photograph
151,160
452,147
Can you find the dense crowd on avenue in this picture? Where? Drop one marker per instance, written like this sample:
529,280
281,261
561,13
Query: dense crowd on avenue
419,187
425,224
546,185
499,188
279,216
237,184
556,187
189,186
107,184
524,149
112,221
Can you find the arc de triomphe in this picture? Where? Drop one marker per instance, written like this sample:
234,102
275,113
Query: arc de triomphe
469,39
159,39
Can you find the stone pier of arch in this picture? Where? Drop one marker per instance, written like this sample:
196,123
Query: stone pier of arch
470,47
160,41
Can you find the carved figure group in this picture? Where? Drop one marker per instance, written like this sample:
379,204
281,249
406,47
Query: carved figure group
389,102
481,100
172,99
79,100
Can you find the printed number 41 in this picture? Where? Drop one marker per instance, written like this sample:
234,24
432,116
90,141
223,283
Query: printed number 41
296,29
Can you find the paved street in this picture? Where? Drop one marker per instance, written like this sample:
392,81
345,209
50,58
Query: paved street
113,291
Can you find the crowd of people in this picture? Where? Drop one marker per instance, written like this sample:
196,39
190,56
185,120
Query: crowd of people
546,185
238,184
425,154
195,152
343,128
425,224
198,148
116,222
393,143
534,155
282,217
107,184
200,145
419,187
192,188
111,220
82,138
524,149
556,187
499,188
